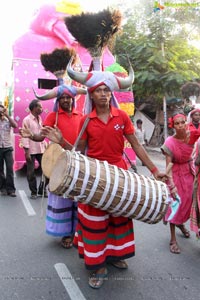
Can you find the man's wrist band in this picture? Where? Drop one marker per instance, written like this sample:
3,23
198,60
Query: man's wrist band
154,170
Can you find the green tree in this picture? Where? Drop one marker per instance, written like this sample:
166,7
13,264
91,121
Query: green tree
159,47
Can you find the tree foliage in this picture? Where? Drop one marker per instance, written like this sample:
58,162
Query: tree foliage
159,46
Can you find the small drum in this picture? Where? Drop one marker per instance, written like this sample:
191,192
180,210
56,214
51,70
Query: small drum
50,157
107,187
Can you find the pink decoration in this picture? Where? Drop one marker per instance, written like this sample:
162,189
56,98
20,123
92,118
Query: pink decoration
124,97
47,31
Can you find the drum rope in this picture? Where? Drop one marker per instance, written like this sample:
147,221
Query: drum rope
132,192
157,210
114,190
76,173
153,203
107,187
168,198
124,194
139,190
96,182
87,175
145,205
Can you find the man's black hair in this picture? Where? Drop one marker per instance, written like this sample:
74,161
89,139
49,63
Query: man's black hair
33,104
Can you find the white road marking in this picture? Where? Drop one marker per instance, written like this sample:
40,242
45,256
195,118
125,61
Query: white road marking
27,203
69,282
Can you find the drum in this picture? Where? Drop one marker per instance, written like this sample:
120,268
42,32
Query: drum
50,157
107,187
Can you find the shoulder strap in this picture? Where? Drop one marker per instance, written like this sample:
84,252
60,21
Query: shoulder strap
133,166
81,133
56,119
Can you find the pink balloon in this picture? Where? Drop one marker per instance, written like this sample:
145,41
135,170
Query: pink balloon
31,45
44,19
48,22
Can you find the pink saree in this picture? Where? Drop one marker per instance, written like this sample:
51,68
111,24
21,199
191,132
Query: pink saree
183,176
195,210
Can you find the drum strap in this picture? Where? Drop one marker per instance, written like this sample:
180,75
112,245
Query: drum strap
133,166
81,133
56,120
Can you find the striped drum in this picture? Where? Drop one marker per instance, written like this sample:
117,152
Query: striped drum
107,187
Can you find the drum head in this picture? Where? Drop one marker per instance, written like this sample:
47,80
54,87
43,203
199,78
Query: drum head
50,157
59,176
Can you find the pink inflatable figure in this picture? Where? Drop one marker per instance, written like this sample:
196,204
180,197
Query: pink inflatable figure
46,32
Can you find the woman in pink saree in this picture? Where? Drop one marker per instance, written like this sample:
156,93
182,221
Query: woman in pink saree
195,210
178,151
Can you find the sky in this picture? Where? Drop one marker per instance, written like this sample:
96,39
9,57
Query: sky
15,18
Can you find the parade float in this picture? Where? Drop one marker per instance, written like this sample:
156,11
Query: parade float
48,31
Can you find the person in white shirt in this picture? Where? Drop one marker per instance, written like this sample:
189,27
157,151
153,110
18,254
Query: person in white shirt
34,150
140,133
7,186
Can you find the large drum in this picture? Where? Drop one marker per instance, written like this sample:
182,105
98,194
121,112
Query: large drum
50,157
105,186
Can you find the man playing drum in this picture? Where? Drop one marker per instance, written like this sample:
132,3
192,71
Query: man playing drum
102,238
61,218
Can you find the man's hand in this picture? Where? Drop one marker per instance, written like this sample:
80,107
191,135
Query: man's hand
160,176
53,134
5,112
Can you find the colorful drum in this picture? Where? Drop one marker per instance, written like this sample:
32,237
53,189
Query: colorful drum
107,187
50,157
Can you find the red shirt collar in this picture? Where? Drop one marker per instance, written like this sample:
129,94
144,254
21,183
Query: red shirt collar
114,112
61,111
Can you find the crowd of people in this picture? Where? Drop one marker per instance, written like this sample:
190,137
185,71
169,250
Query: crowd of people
100,237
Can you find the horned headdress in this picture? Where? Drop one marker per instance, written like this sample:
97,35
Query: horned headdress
95,31
94,78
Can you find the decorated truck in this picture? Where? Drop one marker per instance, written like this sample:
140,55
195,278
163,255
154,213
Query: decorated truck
47,31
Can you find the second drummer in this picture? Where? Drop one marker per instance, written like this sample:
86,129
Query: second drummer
61,216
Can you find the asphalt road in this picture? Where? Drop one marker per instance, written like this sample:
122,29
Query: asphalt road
33,266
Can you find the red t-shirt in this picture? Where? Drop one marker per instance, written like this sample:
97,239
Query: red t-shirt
67,123
106,141
194,133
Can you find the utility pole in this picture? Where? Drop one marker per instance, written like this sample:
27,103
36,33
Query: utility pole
164,98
